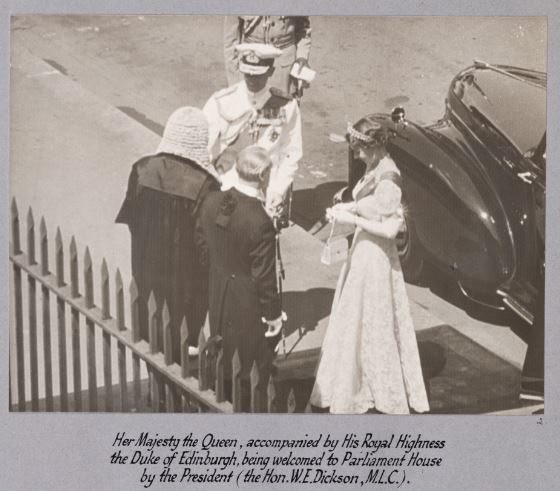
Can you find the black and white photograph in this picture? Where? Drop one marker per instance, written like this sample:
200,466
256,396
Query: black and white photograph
295,245
277,214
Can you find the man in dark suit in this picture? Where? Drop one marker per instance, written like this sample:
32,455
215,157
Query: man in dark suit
237,238
164,193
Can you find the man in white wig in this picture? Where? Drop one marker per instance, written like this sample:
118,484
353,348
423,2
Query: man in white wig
163,196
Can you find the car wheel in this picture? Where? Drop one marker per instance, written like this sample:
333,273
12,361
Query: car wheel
410,251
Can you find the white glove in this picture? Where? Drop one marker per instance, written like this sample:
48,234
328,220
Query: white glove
274,326
274,203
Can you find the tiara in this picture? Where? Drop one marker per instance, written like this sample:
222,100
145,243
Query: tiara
358,135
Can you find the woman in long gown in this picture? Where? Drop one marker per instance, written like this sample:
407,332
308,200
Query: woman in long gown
369,358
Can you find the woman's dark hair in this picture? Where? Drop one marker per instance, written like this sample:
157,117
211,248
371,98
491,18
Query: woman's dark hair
367,133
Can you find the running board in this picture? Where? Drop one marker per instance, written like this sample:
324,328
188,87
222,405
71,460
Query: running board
531,397
529,410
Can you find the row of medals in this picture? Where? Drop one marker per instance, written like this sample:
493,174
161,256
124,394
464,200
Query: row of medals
264,118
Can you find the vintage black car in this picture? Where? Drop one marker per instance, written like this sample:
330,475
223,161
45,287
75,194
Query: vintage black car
474,186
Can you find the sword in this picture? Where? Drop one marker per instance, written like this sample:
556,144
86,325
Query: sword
299,91
280,276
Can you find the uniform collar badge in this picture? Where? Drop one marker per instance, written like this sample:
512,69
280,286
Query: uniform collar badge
251,57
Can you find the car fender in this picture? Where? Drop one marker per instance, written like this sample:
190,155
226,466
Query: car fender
462,225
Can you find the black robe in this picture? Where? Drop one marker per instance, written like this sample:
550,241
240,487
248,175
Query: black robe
164,194
238,239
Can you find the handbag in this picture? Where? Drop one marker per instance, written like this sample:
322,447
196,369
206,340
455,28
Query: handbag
335,250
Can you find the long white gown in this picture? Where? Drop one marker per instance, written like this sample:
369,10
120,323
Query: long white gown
369,356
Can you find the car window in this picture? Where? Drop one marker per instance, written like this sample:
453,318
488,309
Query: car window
506,106
489,130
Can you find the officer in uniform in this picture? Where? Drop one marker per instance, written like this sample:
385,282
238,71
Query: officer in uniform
292,35
251,112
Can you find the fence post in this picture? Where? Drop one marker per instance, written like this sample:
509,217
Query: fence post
256,399
107,359
47,363
202,362
90,339
76,364
271,395
184,349
105,291
167,340
152,323
291,400
18,309
236,382
30,237
59,258
119,301
88,279
220,397
119,307
61,315
134,312
32,288
171,397
135,328
16,241
152,340
44,247
168,356
74,283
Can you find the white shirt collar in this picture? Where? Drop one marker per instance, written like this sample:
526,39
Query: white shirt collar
257,99
249,191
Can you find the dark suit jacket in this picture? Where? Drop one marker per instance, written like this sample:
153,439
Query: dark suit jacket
164,193
237,238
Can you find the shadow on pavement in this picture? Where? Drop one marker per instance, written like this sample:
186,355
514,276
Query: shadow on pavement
309,205
306,308
447,289
463,377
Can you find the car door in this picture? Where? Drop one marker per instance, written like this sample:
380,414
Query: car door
505,108
520,290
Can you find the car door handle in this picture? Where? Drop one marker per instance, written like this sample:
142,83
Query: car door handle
527,177
508,162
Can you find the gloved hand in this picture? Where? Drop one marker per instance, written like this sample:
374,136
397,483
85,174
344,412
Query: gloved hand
274,200
274,326
301,62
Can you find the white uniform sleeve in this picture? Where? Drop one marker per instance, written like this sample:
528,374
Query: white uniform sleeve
290,150
212,114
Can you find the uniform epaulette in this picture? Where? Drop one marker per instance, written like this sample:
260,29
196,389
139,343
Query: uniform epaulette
223,92
230,108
